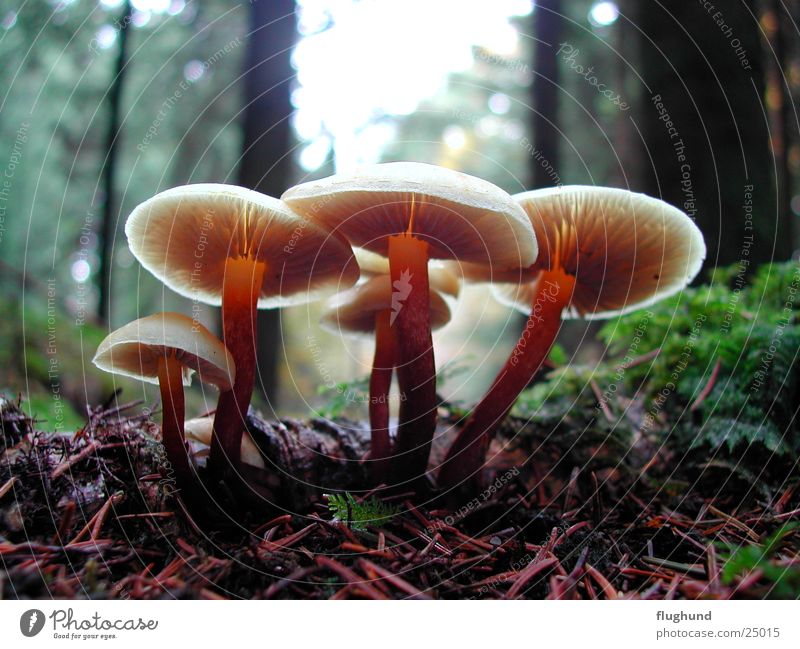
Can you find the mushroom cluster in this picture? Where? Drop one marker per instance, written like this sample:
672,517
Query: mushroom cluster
418,230
411,213
370,308
229,246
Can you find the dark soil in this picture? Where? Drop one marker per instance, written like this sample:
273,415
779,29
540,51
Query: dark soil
90,515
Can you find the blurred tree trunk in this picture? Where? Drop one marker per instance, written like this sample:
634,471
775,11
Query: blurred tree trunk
706,69
108,222
793,146
547,30
627,144
777,56
266,164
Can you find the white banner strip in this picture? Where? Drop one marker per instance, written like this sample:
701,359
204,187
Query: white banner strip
467,624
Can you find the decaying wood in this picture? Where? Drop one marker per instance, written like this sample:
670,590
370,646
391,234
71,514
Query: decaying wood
309,459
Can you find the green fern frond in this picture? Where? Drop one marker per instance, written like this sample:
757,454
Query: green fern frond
359,515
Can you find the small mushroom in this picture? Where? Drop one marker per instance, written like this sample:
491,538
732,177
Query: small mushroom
602,252
411,213
165,349
442,276
367,310
199,432
222,244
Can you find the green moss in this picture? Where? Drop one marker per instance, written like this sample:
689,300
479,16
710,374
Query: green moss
783,579
744,331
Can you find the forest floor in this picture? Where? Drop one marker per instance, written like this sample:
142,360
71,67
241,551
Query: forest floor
86,515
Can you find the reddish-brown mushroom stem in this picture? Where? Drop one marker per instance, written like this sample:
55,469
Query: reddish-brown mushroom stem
241,288
467,454
416,371
170,383
380,384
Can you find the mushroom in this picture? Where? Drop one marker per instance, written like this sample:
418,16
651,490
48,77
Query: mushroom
603,252
443,276
222,244
165,349
199,432
367,310
413,212
258,476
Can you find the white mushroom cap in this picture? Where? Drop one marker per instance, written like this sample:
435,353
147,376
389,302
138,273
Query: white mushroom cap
371,263
199,432
136,349
185,235
460,216
443,281
354,310
441,277
626,250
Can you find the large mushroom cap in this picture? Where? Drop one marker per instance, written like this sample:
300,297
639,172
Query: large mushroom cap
135,350
441,275
626,250
354,310
184,236
460,216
